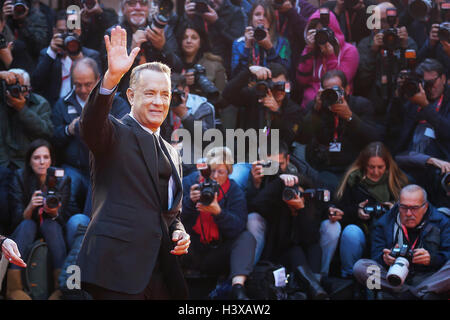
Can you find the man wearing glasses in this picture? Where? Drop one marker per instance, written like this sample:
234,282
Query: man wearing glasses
423,146
425,230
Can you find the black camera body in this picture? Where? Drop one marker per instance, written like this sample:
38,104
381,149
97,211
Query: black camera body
323,36
391,41
208,187
259,33
14,91
20,7
403,251
177,96
444,31
203,83
376,210
411,83
53,184
201,6
71,43
398,271
332,96
289,193
262,87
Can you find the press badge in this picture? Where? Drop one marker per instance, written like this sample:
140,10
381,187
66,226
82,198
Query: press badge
429,133
72,110
335,146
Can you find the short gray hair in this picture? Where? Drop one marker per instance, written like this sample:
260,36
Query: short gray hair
23,73
152,66
87,62
414,188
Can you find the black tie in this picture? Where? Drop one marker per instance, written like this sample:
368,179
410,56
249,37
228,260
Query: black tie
164,173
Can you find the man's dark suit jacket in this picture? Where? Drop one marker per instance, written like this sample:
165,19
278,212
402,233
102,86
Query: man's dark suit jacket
128,227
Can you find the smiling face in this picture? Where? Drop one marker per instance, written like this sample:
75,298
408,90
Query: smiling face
150,98
259,17
191,42
40,161
136,12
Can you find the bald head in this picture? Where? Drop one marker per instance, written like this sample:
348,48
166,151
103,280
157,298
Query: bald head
380,9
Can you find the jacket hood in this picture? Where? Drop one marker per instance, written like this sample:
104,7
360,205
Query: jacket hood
334,25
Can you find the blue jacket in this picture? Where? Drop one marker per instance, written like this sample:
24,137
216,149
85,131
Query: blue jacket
233,218
434,237
74,152
46,78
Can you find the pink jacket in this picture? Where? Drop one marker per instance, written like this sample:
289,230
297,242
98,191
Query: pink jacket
347,61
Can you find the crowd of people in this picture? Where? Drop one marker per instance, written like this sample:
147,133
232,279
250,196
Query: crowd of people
363,116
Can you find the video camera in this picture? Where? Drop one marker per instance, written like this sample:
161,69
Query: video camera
289,193
53,186
391,41
71,43
203,83
399,270
325,34
332,96
209,187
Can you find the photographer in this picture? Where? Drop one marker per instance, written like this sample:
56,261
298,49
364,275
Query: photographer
423,139
352,18
379,64
185,109
25,116
435,48
326,49
31,212
29,25
266,104
95,20
157,43
198,61
51,78
291,223
222,22
416,223
261,43
336,128
220,242
66,120
369,188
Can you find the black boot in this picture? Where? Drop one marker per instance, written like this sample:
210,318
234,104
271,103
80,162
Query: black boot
238,292
316,292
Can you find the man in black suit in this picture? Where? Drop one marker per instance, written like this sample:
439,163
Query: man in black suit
127,252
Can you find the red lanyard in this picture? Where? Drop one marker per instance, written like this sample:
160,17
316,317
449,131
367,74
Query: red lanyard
349,27
283,28
438,107
255,59
336,123
405,232
206,25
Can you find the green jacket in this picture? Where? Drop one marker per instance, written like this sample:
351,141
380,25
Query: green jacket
19,129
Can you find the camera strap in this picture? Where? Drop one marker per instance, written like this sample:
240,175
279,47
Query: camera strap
283,28
257,59
349,23
405,233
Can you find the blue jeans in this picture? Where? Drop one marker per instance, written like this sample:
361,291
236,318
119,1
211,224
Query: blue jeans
26,233
72,225
329,238
353,242
256,225
78,187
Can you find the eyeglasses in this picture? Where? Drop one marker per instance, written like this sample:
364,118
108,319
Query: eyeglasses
133,3
220,172
430,83
414,209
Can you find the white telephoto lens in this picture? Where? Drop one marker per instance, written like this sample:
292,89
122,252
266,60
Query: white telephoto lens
398,272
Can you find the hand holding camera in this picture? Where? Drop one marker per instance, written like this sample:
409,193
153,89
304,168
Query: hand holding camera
156,37
210,16
269,102
421,256
249,39
257,172
262,36
18,9
387,258
420,98
18,101
361,214
342,110
377,41
212,208
434,34
57,43
180,110
311,38
335,214
8,77
289,180
37,200
189,8
261,73
296,203
139,37
195,193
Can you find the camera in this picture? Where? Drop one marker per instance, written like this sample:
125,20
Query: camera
412,80
177,97
71,43
399,270
3,43
331,96
349,4
201,6
208,188
14,90
161,19
202,82
445,182
289,193
88,3
325,34
20,7
376,210
53,184
391,41
266,164
262,87
259,33
420,9
444,31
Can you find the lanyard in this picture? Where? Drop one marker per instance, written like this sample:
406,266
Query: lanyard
405,232
283,28
206,25
255,59
349,25
336,123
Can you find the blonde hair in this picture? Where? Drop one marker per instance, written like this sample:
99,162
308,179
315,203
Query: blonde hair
152,66
220,155
396,180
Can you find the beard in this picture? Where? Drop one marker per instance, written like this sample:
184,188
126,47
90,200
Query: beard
138,21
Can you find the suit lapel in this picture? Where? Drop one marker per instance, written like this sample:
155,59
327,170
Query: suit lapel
175,167
148,148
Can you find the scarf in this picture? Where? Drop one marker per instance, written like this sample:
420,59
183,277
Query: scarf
379,190
205,225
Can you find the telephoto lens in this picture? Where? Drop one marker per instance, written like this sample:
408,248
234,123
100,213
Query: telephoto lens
331,96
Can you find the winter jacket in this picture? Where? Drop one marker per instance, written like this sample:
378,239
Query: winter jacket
310,71
19,128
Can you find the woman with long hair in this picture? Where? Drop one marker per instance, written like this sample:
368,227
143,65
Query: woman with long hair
368,190
261,44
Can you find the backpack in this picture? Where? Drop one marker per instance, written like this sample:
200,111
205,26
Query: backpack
260,284
36,283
